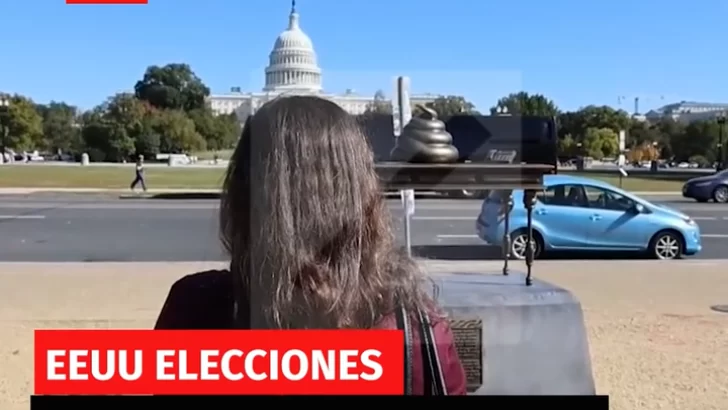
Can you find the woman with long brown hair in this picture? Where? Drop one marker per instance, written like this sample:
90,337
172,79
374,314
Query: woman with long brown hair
309,235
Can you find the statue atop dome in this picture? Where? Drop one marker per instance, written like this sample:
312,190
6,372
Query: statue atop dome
293,17
293,65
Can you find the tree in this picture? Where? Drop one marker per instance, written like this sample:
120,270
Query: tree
601,142
111,129
642,132
148,144
380,104
128,111
593,116
107,141
177,132
698,139
228,130
220,132
668,129
173,86
451,105
25,125
567,146
523,103
61,128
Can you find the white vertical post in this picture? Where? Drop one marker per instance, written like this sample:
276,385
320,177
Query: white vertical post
401,115
622,160
396,117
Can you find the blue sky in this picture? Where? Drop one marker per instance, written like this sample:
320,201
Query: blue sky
576,52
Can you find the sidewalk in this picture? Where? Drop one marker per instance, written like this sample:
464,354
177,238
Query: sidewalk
652,343
29,191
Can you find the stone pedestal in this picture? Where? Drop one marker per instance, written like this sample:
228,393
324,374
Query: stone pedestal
533,337
84,159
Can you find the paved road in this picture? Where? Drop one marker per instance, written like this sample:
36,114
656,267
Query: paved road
45,228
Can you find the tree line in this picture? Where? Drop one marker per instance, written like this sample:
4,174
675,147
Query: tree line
167,112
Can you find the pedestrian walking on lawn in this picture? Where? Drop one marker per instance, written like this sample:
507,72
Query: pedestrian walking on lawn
139,179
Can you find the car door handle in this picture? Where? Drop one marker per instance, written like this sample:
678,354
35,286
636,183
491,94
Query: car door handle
596,217
540,212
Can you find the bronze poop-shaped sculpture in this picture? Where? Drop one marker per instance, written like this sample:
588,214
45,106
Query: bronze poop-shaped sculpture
425,140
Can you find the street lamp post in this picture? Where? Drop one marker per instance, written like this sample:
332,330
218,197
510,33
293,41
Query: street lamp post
4,125
721,157
580,162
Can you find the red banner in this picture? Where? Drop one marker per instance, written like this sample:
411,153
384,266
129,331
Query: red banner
103,362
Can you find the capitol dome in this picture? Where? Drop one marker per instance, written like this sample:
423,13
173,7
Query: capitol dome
293,66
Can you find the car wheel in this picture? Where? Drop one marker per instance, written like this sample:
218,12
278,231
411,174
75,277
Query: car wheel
519,239
720,194
666,246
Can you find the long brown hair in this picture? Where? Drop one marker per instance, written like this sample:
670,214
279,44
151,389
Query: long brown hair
304,221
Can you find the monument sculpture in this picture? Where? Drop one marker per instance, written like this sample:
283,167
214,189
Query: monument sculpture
515,335
425,140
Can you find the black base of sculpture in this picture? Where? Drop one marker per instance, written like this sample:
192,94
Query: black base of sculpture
514,339
443,177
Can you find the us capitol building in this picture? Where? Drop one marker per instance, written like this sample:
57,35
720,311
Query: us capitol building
293,70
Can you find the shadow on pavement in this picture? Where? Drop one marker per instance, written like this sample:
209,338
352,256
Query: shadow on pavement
491,253
458,252
175,196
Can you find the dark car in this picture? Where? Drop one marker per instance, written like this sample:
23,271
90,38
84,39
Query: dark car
703,189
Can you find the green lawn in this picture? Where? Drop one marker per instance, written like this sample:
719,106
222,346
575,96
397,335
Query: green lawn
118,177
110,177
636,184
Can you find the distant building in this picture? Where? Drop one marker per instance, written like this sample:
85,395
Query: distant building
688,111
293,70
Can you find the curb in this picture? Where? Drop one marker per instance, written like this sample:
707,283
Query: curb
207,193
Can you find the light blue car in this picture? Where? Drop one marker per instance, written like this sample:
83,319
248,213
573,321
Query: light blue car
583,214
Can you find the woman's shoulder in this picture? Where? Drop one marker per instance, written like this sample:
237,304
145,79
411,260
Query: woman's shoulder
201,300
206,281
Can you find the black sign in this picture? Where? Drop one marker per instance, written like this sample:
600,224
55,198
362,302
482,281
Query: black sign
533,140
